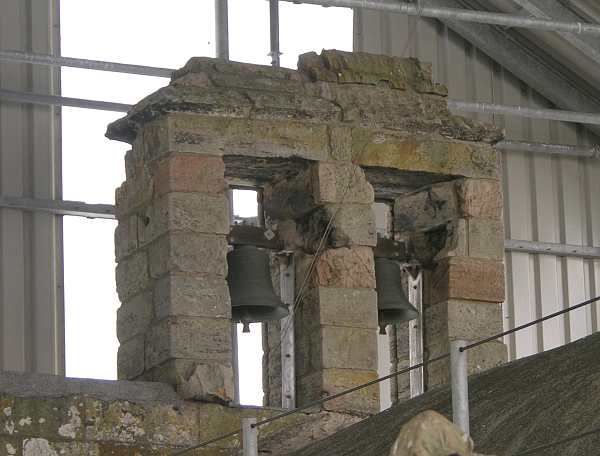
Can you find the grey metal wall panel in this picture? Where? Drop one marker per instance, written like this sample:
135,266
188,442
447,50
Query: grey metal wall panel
547,198
31,297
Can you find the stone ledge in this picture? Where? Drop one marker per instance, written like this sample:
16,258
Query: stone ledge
71,417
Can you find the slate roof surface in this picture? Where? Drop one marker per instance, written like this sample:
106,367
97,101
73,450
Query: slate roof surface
521,405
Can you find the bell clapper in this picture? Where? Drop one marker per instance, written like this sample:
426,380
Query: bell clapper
382,330
246,328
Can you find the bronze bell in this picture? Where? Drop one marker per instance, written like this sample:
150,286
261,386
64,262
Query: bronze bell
250,287
392,304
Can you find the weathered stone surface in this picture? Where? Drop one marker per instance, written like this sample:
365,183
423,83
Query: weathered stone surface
349,348
190,173
289,198
363,68
364,401
351,307
481,358
126,237
192,296
189,253
188,212
467,278
134,316
130,358
199,381
456,242
132,276
261,138
340,143
202,339
133,195
460,319
426,209
423,153
346,267
431,434
353,224
486,238
320,384
322,184
480,198
340,183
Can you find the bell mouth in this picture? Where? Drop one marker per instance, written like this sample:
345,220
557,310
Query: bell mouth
258,314
389,317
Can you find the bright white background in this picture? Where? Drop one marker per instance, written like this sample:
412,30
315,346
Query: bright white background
154,33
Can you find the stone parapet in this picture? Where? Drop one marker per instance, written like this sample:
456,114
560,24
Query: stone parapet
47,415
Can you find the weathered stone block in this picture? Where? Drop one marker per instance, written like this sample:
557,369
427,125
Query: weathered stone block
289,198
207,382
456,241
134,316
190,253
259,138
190,212
201,339
335,182
467,278
190,173
352,307
427,208
340,143
363,68
480,358
353,224
486,238
130,358
133,195
346,267
460,319
480,198
132,276
126,240
423,154
365,401
191,296
349,348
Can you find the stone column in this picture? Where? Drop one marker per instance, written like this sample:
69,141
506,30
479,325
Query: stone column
174,321
336,322
457,230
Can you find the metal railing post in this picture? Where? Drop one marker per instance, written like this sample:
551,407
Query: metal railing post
250,437
460,385
222,29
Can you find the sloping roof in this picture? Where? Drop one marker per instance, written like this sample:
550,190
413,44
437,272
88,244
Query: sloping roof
523,404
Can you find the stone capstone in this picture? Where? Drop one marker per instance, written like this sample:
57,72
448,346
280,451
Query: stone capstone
431,434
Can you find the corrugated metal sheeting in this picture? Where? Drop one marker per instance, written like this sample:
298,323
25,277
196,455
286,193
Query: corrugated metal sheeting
551,199
31,302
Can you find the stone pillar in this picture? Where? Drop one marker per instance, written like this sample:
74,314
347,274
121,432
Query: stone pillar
336,321
457,230
174,321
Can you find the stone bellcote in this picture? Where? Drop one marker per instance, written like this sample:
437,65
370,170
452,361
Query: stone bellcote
330,138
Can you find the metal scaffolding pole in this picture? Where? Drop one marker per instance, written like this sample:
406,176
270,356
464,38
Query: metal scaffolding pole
551,149
59,207
44,59
467,15
521,111
274,28
222,29
55,100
